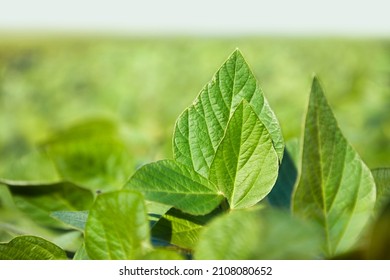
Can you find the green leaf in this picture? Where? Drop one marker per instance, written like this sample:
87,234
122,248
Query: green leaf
201,127
76,219
181,229
34,167
39,201
382,181
91,154
81,253
336,189
281,193
245,166
31,248
248,234
172,183
35,220
117,227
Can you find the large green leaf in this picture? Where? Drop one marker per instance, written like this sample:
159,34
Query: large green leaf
172,183
382,181
201,127
258,234
245,166
30,248
117,227
336,189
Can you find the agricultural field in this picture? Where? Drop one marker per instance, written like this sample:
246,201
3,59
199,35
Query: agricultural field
87,123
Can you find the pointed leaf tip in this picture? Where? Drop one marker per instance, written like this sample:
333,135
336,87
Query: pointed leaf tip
335,187
201,127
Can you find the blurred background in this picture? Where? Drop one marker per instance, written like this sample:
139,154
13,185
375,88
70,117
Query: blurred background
90,90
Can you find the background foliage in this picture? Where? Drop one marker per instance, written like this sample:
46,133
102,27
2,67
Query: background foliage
49,83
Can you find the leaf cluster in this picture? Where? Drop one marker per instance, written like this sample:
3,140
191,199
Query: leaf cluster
234,188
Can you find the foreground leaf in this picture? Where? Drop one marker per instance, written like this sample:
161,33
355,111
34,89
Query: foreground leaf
201,127
260,234
117,227
246,164
172,183
31,248
336,189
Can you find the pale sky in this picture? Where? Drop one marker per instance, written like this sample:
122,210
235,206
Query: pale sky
201,17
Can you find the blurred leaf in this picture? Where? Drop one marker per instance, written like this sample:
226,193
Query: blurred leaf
245,166
293,148
14,222
117,227
32,168
69,240
6,200
181,229
281,193
260,234
81,253
172,183
357,254
201,127
38,201
336,189
91,154
379,242
76,219
86,129
382,181
31,248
